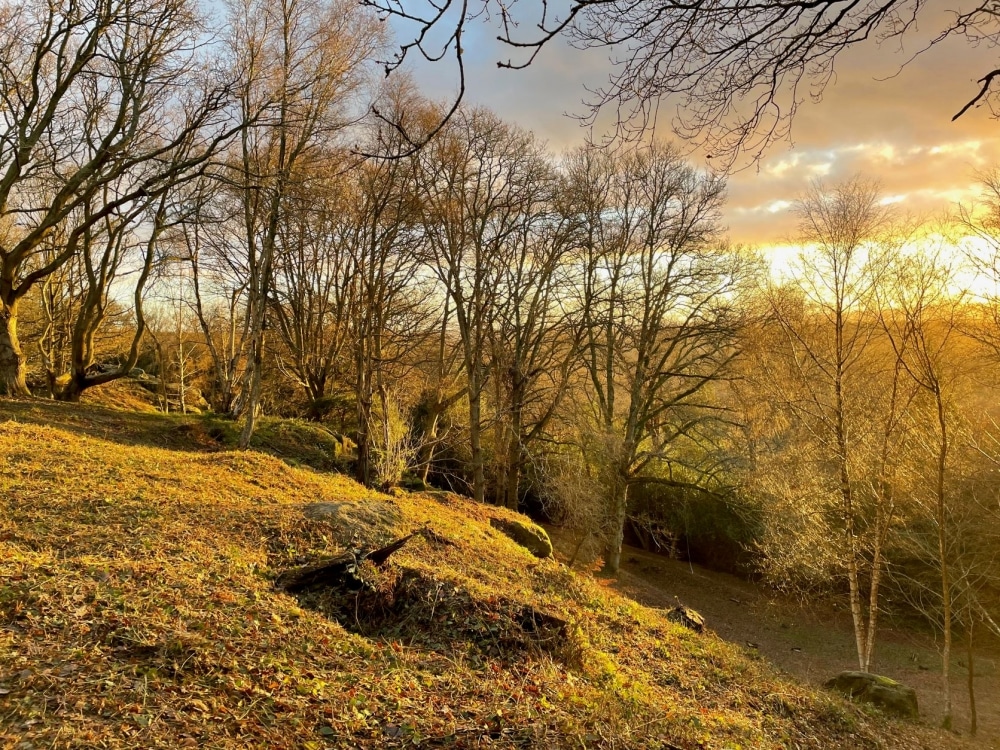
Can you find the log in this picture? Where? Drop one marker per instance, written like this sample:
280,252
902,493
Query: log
336,572
340,571
379,556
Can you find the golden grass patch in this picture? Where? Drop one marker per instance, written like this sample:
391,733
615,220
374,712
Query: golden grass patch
137,610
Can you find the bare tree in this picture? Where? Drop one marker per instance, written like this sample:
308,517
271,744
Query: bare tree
209,233
476,180
392,316
103,105
314,290
534,332
830,344
979,223
60,296
734,73
103,249
657,292
443,389
924,331
303,64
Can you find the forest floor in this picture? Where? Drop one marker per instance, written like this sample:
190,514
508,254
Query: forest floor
138,609
812,639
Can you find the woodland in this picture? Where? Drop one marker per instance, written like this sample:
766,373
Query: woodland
239,213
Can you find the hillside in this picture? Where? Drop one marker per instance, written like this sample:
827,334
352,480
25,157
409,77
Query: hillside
138,609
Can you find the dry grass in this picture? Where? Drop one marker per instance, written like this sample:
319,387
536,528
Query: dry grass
137,610
813,639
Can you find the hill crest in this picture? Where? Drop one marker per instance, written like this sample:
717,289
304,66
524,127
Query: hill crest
139,610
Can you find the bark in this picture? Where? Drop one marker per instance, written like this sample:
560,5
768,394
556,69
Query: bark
857,614
262,264
252,389
619,510
515,458
363,469
515,462
391,444
847,494
429,435
363,399
337,572
873,609
885,509
12,360
476,445
73,389
973,716
260,288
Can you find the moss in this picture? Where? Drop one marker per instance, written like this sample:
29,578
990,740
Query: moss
885,682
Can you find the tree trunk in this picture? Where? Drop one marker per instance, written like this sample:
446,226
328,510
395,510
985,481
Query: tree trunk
429,433
476,445
12,362
847,499
512,483
252,390
181,368
436,407
363,470
857,614
873,608
619,508
73,388
515,454
973,716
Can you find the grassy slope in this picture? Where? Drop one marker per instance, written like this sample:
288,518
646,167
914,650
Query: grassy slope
137,610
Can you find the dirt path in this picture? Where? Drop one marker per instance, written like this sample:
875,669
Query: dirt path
814,641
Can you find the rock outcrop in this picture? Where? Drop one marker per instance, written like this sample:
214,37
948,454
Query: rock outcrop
889,695
687,617
533,538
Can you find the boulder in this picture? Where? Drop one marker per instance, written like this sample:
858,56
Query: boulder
324,511
889,695
687,617
351,517
533,538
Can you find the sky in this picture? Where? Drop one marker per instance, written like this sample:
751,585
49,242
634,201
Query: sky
875,119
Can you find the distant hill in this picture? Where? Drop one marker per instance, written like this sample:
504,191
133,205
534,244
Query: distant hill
138,610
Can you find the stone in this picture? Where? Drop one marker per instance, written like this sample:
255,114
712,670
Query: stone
891,696
533,538
687,617
350,517
324,511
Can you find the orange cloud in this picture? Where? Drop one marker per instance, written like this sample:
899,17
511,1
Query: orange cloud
874,118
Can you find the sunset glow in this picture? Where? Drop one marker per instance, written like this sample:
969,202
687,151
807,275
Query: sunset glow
877,118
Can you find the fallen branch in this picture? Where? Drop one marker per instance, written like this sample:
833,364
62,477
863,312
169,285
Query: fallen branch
336,572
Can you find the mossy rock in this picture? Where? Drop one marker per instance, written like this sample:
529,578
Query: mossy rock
533,538
889,695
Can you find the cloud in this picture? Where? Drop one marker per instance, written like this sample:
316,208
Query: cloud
875,118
